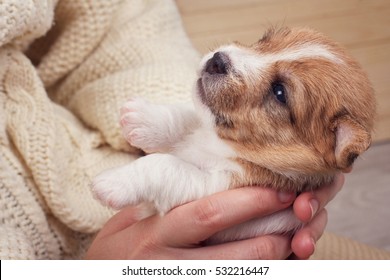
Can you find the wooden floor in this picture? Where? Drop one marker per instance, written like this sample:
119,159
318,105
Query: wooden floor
363,26
361,210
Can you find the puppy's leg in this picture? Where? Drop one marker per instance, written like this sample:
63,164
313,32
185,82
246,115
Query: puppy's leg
282,222
160,179
156,128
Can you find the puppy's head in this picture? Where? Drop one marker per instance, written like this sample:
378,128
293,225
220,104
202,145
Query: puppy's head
294,102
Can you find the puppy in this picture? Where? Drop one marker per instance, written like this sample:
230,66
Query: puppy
288,112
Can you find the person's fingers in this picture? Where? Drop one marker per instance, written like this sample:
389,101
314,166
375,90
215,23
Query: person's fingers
303,242
309,203
194,222
179,233
264,247
120,221
187,225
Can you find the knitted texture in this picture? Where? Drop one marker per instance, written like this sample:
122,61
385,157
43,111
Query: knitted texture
23,21
59,109
132,48
59,101
334,247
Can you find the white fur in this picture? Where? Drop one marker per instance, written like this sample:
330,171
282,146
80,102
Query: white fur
196,166
250,64
156,128
280,222
195,162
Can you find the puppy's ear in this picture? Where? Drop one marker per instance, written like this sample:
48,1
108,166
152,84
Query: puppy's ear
352,139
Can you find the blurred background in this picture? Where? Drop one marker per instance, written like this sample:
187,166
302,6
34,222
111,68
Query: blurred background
362,209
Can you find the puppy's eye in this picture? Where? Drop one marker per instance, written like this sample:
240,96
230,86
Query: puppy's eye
280,92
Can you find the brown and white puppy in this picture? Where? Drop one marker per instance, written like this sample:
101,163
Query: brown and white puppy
289,112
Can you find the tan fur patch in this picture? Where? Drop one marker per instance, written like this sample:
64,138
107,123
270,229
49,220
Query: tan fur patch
291,146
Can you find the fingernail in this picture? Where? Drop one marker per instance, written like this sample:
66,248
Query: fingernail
285,197
313,207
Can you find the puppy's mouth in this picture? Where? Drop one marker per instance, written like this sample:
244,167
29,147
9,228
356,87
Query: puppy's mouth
212,76
201,92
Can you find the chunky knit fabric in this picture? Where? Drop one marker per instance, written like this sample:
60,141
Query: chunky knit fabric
59,100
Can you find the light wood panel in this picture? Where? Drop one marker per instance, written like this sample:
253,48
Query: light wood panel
361,210
363,26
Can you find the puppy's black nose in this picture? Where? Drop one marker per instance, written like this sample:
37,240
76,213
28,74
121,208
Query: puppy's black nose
218,64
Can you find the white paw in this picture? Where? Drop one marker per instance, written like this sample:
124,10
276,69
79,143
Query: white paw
113,189
139,120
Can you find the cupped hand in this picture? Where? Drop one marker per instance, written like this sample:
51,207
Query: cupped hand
179,234
309,208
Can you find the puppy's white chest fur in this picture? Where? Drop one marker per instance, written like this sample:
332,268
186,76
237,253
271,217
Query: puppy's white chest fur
203,148
189,163
288,112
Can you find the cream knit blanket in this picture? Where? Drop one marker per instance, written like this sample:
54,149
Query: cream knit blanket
59,102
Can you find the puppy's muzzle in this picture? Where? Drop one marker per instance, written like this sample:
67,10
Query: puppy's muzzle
218,64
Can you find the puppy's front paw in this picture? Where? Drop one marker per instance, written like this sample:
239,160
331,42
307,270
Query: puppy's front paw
112,189
140,124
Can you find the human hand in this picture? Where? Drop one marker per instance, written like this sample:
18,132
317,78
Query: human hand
179,234
309,208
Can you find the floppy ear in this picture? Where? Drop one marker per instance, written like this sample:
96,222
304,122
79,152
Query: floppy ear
352,139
